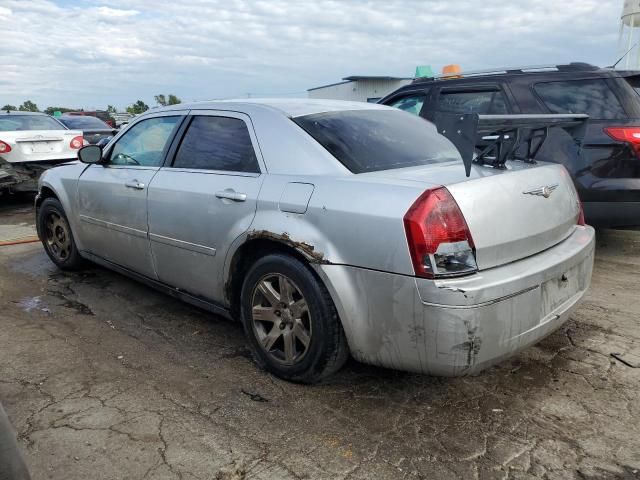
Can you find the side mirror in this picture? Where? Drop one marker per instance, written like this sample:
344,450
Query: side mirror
90,154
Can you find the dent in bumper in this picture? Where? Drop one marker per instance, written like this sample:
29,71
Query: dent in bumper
411,324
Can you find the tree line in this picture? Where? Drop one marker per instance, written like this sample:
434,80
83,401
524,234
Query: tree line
135,108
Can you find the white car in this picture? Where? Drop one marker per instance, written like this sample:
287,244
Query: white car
30,143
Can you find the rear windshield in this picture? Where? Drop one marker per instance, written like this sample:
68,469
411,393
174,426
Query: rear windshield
371,140
13,123
84,122
593,97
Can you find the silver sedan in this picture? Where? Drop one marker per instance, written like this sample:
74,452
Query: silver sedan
328,228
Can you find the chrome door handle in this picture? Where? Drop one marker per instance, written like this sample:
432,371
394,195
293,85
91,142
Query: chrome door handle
134,184
231,195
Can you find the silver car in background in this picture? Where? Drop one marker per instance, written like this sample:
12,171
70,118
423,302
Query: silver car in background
328,227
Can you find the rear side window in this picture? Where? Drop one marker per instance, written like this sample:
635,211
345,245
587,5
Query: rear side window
410,103
634,81
370,140
593,97
217,143
487,102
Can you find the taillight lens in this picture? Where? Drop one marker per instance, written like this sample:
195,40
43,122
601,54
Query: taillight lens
4,147
439,239
630,135
580,220
76,142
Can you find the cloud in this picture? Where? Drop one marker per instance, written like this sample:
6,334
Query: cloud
115,13
88,54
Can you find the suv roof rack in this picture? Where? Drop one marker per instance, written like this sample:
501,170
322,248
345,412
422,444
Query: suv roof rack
570,67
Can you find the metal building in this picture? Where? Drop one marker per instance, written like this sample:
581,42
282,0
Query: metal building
630,34
358,88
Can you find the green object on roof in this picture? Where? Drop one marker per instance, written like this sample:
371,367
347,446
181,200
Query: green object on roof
57,113
424,71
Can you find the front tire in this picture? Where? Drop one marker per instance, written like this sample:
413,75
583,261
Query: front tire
56,236
290,321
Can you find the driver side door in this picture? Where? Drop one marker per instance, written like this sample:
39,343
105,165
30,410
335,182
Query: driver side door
112,196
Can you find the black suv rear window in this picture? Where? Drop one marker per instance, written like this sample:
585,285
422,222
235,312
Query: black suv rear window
593,97
370,140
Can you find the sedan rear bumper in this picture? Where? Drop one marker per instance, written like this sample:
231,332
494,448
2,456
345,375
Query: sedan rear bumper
459,327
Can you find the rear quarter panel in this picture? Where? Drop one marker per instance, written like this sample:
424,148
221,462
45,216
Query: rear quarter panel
348,221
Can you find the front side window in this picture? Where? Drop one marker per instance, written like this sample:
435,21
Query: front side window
410,103
370,140
488,102
593,97
144,143
217,143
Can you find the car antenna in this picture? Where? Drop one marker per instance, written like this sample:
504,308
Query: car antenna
625,54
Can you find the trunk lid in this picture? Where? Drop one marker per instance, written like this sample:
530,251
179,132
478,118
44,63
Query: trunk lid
509,213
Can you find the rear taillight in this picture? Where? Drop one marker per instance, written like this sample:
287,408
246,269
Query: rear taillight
4,147
76,142
439,239
580,220
629,135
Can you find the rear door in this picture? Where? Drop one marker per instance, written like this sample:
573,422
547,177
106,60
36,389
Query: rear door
112,197
480,98
203,200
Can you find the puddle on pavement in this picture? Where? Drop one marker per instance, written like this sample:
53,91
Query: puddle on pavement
29,304
33,263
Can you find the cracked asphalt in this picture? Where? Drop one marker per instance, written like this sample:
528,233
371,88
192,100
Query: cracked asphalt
104,378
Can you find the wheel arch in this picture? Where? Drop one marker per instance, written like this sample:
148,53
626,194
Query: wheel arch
53,185
255,246
45,192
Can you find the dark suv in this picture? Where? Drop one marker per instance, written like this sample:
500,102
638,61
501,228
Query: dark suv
606,170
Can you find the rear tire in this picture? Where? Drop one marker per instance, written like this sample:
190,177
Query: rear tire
291,323
56,236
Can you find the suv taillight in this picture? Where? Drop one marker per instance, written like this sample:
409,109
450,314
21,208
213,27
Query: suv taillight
4,147
439,239
629,135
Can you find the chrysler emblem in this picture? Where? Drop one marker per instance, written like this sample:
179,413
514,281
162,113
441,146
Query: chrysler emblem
545,191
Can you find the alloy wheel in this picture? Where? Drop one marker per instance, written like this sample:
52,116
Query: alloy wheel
281,319
57,236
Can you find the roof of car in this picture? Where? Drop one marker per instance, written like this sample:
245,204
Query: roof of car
575,68
17,112
291,107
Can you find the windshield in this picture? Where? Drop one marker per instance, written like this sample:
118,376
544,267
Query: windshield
13,123
84,123
371,140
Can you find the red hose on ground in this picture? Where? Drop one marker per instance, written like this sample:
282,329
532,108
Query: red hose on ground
20,242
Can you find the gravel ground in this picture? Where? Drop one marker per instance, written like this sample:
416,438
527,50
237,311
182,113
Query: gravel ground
104,378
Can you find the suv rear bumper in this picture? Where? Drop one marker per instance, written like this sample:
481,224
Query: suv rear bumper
460,326
612,214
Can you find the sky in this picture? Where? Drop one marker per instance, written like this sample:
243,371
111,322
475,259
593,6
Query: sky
90,54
